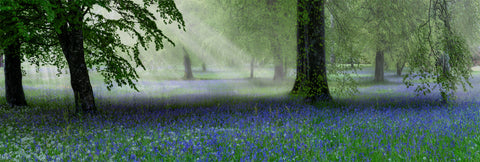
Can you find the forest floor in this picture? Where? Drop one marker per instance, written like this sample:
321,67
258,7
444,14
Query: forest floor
220,83
239,120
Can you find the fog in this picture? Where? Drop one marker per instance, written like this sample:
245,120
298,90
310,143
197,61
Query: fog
211,40
394,80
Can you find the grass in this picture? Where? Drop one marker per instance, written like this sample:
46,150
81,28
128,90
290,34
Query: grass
249,127
259,130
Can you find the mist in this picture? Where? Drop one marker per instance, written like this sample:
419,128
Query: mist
240,80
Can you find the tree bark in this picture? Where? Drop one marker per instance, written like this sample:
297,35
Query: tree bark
252,67
188,65
311,62
400,66
71,41
332,54
13,75
319,90
302,46
379,65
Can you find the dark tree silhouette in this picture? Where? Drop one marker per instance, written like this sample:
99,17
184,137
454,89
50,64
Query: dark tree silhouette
311,63
13,75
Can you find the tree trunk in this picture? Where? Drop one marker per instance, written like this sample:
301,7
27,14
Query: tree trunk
279,72
332,57
352,60
252,67
13,75
332,54
317,62
71,41
285,67
188,65
400,66
204,67
302,52
379,64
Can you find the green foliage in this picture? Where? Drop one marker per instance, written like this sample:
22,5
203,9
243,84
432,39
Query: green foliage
104,48
408,35
466,18
253,26
344,42
436,40
39,22
27,21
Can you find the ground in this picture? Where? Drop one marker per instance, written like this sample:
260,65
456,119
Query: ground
239,120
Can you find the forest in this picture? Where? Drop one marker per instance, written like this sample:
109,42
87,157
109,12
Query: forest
240,80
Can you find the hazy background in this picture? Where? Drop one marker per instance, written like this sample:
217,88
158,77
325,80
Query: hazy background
226,36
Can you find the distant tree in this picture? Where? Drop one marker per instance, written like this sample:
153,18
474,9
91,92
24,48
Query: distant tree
263,29
89,39
381,19
311,69
252,68
188,65
279,72
441,52
345,39
204,67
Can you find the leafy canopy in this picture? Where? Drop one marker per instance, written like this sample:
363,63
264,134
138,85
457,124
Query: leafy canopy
104,50
27,22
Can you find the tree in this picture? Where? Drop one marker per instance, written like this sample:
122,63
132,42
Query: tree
345,38
263,29
441,53
13,75
381,24
88,39
23,27
13,72
311,69
77,24
387,26
279,72
188,65
71,38
252,67
299,87
407,18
